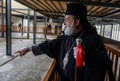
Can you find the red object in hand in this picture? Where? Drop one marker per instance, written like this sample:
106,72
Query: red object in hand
79,61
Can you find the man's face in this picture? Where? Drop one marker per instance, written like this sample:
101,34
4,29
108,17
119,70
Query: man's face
69,25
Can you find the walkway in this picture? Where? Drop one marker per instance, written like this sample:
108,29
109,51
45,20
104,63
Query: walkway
26,68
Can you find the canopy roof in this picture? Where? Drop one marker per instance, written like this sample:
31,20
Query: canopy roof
104,10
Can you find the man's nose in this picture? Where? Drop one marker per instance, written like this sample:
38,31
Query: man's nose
64,23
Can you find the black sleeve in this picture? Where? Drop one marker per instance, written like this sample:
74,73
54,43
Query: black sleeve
101,51
99,48
108,64
49,47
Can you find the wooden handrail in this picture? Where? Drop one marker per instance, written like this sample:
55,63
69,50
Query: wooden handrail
51,72
113,49
114,54
39,30
119,73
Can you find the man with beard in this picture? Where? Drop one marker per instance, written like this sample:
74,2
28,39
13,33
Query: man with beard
63,49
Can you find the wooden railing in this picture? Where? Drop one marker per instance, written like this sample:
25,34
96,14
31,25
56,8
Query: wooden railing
2,28
51,74
39,30
114,55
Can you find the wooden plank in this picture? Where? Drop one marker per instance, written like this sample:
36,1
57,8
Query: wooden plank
115,55
113,50
47,76
119,73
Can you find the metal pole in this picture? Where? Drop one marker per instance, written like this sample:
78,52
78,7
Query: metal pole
113,35
28,22
22,21
118,32
45,25
111,31
45,21
103,30
115,32
8,27
34,33
2,19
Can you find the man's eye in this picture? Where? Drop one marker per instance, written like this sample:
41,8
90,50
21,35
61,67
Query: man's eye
66,20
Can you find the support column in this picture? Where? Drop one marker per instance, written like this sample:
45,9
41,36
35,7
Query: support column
45,25
111,31
100,29
103,30
22,21
113,35
45,21
2,18
34,32
118,32
8,27
28,22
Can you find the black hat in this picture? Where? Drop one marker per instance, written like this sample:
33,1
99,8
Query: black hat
77,9
80,12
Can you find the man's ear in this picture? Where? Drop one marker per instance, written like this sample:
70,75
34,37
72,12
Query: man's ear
77,22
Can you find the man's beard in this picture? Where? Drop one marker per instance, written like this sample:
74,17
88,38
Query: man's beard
69,30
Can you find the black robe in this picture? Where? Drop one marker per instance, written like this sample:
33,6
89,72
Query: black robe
96,58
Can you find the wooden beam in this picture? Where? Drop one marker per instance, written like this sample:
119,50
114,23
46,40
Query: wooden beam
55,7
49,5
60,6
44,5
94,3
111,13
26,4
33,2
